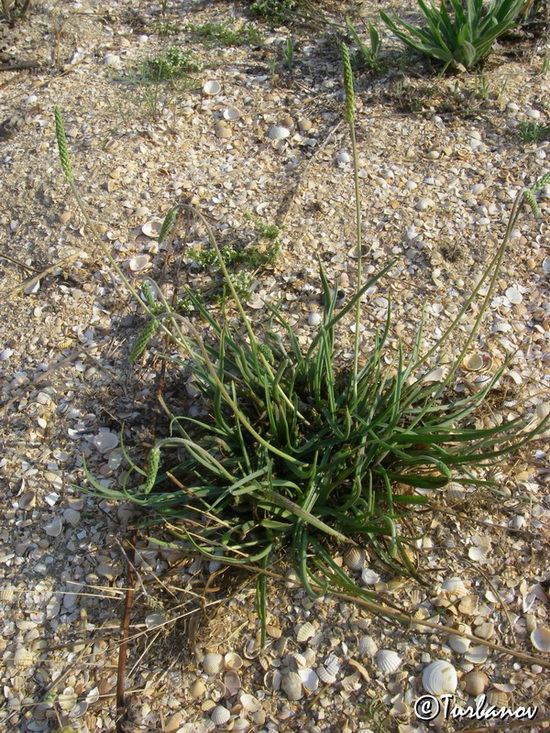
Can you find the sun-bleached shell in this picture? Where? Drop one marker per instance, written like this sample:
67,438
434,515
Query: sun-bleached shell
138,263
211,87
439,678
276,132
388,660
152,228
250,703
231,113
23,657
367,646
220,715
291,685
212,663
540,639
305,632
454,586
310,679
233,661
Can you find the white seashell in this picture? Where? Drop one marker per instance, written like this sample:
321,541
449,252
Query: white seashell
514,296
343,157
72,516
256,302
369,577
473,362
197,689
387,660
105,441
6,594
478,553
212,663
475,682
325,677
54,528
367,646
439,678
315,319
68,699
277,132
233,661
455,587
138,263
291,685
33,288
231,113
309,678
355,558
152,228
332,666
476,654
252,648
540,639
459,644
292,580
211,87
23,657
240,725
546,266
232,683
250,703
455,491
305,631
220,715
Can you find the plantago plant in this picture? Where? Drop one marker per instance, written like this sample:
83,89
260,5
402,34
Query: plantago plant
296,453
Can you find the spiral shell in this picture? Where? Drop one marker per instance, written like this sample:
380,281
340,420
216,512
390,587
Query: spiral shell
439,678
388,660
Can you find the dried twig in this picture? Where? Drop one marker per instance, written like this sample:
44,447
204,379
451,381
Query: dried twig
32,280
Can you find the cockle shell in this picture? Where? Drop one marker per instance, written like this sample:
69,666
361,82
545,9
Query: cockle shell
475,682
439,678
249,702
306,631
388,660
292,686
23,657
233,661
212,663
277,132
454,586
473,362
152,228
367,646
540,639
458,643
138,263
211,87
497,698
355,558
220,715
7,593
231,113
310,679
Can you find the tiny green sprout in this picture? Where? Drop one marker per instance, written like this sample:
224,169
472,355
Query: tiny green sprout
62,144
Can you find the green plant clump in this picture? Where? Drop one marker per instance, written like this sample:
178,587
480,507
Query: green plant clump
297,451
533,132
463,37
172,64
225,34
274,11
367,57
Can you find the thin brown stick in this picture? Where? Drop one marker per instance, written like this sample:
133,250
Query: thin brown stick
124,629
19,66
32,280
381,609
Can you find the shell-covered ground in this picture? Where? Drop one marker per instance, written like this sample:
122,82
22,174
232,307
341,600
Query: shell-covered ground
251,135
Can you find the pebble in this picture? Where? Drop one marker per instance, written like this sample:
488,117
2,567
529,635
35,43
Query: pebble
534,114
314,319
305,125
